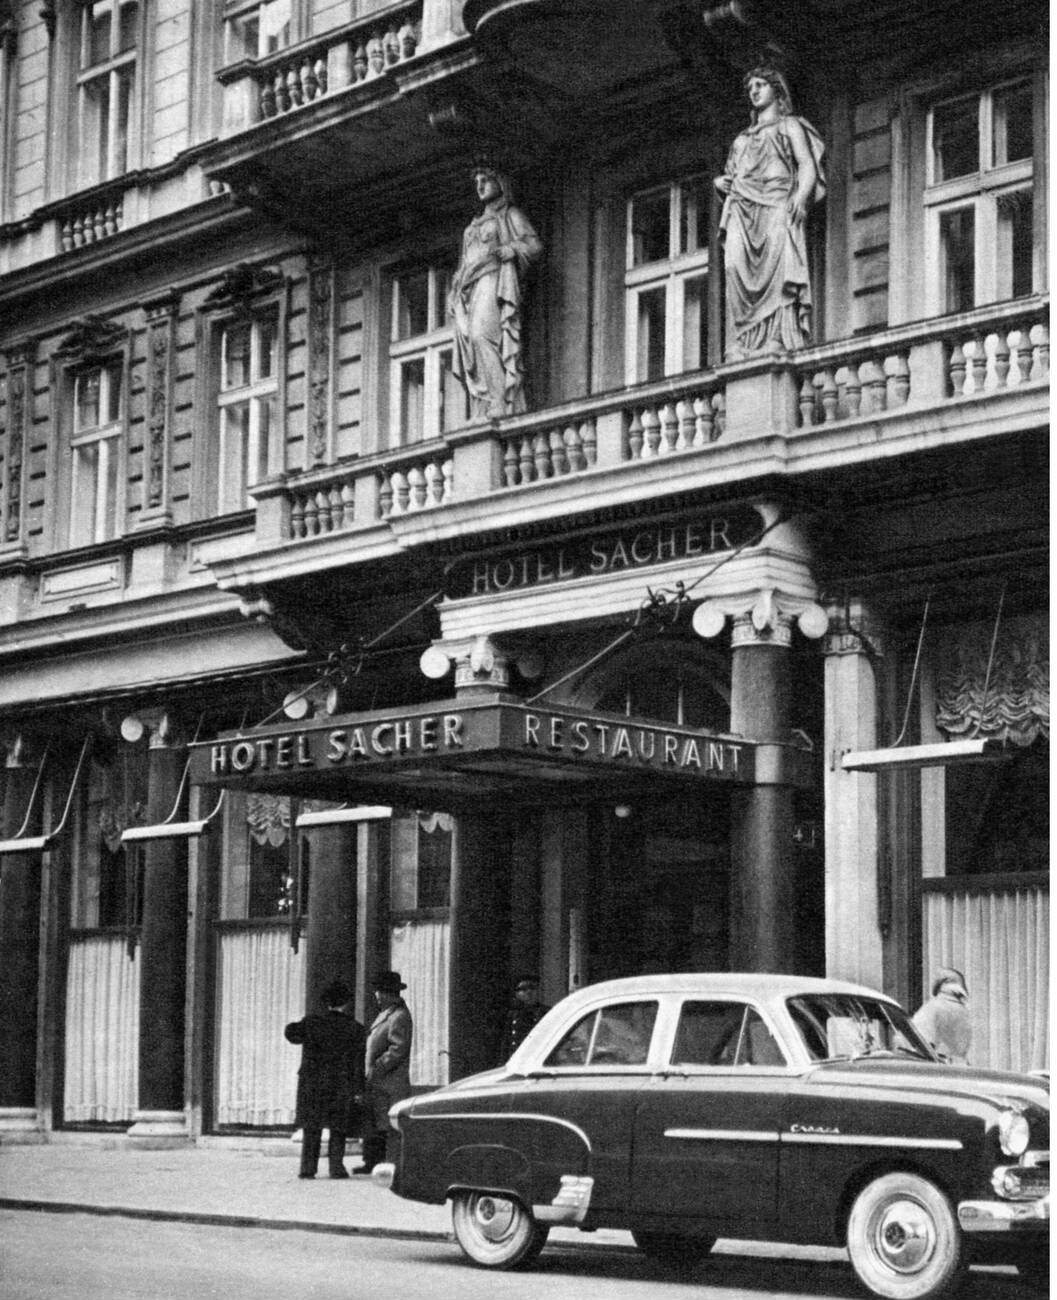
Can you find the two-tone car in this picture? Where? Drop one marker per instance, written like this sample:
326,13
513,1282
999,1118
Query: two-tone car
691,1107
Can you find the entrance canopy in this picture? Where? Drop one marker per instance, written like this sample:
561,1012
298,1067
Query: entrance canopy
467,752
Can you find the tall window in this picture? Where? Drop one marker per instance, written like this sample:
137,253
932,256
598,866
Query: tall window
667,280
106,84
979,207
95,445
249,366
420,870
252,31
425,399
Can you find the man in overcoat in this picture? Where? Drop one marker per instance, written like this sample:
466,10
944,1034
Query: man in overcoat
388,1066
330,1079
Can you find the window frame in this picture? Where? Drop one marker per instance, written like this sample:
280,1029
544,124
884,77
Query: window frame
101,436
92,168
658,1037
747,1006
235,10
429,347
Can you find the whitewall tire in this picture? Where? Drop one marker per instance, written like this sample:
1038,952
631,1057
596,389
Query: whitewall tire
903,1239
494,1231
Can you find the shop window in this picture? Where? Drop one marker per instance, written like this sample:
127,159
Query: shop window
107,890
425,398
106,84
683,696
997,816
266,867
667,280
247,401
420,869
96,452
979,209
253,31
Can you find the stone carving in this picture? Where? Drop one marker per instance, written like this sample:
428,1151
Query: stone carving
160,316
485,300
773,175
320,330
17,380
92,339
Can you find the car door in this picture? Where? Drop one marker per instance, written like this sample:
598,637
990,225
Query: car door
592,1078
706,1134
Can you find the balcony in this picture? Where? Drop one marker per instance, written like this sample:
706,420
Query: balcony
928,386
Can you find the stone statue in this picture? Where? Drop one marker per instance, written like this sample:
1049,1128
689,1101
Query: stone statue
485,299
773,175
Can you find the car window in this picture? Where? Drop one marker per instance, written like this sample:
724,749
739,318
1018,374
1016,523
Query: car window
845,1025
723,1033
616,1035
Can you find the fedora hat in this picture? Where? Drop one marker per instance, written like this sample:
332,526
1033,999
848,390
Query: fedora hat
388,981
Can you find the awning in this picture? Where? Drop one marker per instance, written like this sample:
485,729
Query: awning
463,753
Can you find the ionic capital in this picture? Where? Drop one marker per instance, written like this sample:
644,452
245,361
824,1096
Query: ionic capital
762,617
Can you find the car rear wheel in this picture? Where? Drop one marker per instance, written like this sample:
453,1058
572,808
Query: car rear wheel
494,1231
903,1239
672,1251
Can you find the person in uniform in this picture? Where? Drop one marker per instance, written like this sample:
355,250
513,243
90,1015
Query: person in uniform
525,1013
388,1072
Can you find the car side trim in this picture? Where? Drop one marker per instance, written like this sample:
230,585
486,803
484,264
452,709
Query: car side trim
478,1116
721,1134
872,1140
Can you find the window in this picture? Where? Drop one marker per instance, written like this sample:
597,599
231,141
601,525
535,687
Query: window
252,31
667,280
248,399
266,868
108,876
106,84
420,867
978,197
617,1035
839,1024
724,1033
95,446
425,398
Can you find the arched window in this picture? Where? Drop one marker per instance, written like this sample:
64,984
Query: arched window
678,682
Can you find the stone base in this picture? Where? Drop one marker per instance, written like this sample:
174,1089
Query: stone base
158,1128
21,1125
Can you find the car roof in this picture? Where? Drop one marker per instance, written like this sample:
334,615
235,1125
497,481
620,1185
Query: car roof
744,984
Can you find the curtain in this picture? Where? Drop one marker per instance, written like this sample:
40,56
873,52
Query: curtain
419,951
261,988
101,1080
1000,941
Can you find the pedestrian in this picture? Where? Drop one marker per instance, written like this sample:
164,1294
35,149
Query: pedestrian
944,1020
388,1070
330,1079
526,1011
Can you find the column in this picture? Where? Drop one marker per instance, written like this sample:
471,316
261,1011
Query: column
163,953
19,951
853,936
330,932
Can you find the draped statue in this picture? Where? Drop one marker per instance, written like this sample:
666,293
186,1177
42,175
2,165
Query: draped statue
485,300
773,175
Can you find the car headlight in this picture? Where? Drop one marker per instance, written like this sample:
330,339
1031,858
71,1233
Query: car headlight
1013,1133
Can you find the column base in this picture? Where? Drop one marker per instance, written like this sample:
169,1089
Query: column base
158,1128
20,1124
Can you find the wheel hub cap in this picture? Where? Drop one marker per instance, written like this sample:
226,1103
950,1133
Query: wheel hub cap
494,1217
905,1237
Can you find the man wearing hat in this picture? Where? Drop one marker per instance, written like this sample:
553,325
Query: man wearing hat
330,1077
388,1066
525,1013
944,1020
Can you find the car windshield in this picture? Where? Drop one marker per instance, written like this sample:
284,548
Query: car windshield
840,1026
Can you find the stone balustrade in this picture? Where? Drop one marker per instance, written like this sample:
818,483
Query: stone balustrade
97,221
321,508
416,485
357,52
530,457
683,423
988,361
863,386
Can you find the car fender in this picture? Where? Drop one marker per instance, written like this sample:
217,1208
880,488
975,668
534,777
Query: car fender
490,1167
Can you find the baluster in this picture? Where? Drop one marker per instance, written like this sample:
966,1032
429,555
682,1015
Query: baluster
266,98
559,464
702,421
669,429
335,507
1022,348
311,516
293,88
434,484
119,212
67,235
78,231
873,382
526,461
978,365
541,452
853,390
392,46
684,416
401,493
635,441
828,387
651,428
297,517
448,470
376,55
348,505
1001,359
408,40
589,442
511,472
325,497
574,452
359,63
719,421
319,71
956,369
307,78
897,380
1040,351
282,91
385,496
416,482
110,221
807,401
100,223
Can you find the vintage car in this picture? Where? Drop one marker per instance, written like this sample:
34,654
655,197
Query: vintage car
691,1107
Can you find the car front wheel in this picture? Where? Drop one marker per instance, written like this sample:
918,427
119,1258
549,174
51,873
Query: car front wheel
671,1251
494,1231
903,1239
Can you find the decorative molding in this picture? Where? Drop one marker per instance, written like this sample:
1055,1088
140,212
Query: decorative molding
763,617
92,339
1016,705
268,818
241,284
161,316
19,403
482,663
320,346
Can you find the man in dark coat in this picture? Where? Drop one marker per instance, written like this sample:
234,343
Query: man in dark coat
330,1079
388,1066
525,1013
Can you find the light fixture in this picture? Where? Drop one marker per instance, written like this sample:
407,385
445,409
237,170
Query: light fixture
622,811
296,705
132,728
336,816
23,843
941,754
434,662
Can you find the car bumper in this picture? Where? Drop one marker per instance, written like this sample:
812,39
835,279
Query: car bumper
1004,1216
384,1175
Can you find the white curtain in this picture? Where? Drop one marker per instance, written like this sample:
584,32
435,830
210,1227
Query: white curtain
419,951
101,1080
261,988
1000,941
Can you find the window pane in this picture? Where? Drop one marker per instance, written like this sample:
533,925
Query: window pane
651,334
243,38
443,276
957,241
695,323
83,494
107,526
95,127
623,1034
275,25
411,314
272,883
693,217
454,403
956,139
86,395
129,26
234,439
267,344
650,230
98,42
235,349
1015,220
708,1033
113,393
572,1050
758,1046
434,860
412,393
258,470
1012,123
